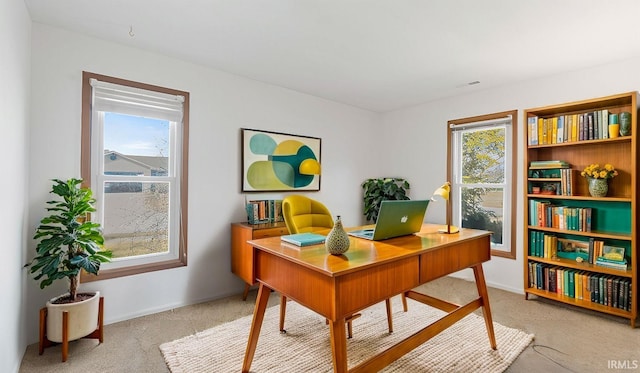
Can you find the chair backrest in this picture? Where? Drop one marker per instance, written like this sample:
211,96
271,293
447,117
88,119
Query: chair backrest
303,214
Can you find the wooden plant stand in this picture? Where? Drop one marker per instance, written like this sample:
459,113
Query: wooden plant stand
44,342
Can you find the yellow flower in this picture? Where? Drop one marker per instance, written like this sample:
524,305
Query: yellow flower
595,171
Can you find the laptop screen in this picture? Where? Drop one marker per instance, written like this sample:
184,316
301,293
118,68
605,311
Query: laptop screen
396,218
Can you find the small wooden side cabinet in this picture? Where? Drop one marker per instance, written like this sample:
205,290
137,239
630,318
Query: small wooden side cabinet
242,253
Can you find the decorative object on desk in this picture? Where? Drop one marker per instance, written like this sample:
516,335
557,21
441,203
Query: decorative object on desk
625,123
337,241
382,189
444,193
598,177
304,239
273,161
463,347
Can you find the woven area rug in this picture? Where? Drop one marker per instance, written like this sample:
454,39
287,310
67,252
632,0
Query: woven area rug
306,347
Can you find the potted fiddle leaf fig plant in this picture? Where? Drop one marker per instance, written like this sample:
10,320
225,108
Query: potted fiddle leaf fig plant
67,244
381,189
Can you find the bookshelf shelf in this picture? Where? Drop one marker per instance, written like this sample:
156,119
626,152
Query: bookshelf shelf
576,134
583,142
580,198
598,234
581,303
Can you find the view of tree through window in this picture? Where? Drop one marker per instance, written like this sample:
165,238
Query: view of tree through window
483,164
481,151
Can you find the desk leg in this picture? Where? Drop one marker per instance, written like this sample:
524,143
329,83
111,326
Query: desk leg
246,291
486,309
256,324
283,312
338,345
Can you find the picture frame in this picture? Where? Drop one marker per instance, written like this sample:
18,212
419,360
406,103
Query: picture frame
573,246
279,162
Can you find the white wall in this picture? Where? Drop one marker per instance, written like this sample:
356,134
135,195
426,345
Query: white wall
221,104
15,42
421,132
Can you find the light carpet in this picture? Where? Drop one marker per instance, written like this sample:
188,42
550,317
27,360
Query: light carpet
306,347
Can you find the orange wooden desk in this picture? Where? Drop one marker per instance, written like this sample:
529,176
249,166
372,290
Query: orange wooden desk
370,272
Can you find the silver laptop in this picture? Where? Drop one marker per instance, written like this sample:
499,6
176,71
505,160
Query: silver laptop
395,218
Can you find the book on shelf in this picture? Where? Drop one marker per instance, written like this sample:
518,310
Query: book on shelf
548,164
560,130
304,239
622,265
532,126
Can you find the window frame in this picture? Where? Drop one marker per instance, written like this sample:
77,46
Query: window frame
86,173
511,253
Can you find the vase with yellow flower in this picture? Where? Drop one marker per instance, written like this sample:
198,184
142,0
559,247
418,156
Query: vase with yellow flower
598,178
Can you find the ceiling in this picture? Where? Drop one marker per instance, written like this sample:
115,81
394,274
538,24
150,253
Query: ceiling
379,55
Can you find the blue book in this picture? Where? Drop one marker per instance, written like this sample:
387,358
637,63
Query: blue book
303,239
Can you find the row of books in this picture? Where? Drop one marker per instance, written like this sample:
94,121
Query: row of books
594,251
608,290
568,128
264,211
544,214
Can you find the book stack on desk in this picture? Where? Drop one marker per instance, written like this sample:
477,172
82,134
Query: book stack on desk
303,239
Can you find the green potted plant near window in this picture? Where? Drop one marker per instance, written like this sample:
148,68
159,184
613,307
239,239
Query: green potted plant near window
381,189
69,243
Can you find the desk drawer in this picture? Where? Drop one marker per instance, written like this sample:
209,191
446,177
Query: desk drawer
447,260
269,232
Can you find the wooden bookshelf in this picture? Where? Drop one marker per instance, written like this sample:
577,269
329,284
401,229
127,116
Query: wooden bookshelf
615,218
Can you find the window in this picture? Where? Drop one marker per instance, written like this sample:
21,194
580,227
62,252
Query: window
134,158
482,169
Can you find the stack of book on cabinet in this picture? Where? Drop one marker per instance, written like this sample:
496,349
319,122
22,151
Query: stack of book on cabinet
264,211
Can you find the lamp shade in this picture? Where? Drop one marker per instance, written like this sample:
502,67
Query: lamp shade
309,167
443,192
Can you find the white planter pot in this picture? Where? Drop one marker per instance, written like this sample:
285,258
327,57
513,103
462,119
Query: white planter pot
83,318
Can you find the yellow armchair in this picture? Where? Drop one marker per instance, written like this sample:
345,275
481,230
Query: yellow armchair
303,214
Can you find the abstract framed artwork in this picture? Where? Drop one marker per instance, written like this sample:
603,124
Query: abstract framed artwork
277,162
